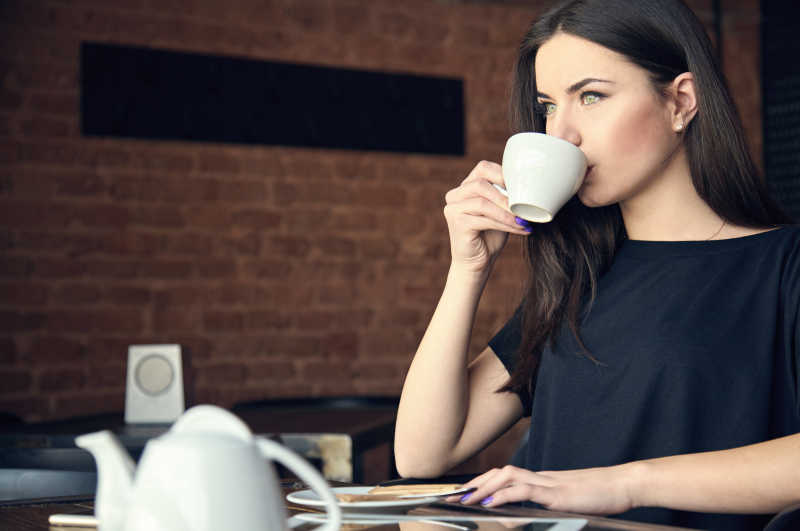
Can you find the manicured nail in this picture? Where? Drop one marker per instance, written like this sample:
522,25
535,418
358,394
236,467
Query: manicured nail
487,501
524,223
465,497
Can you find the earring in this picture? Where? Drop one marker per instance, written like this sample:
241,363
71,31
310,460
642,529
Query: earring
679,127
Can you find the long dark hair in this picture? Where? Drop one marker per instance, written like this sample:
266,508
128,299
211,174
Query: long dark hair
567,255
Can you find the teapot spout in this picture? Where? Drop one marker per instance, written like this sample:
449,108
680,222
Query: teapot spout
114,478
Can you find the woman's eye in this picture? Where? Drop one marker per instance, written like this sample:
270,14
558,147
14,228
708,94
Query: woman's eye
588,98
546,108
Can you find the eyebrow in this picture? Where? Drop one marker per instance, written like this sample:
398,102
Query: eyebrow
575,87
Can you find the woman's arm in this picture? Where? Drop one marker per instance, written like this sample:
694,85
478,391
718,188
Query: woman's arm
449,410
758,478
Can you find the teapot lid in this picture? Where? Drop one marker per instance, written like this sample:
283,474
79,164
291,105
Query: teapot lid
212,419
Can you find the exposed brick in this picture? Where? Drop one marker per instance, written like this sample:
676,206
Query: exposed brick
220,268
183,295
341,344
177,319
209,161
222,373
116,320
27,214
78,294
266,371
85,403
134,243
128,295
256,219
216,321
15,381
316,371
108,376
51,268
48,349
266,269
188,243
8,350
61,380
378,248
240,244
23,294
287,246
111,268
31,407
64,103
165,269
46,127
335,246
12,266
157,216
102,216
208,217
354,219
16,322
10,100
267,320
246,191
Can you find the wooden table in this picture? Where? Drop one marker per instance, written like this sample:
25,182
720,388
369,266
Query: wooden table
33,516
341,442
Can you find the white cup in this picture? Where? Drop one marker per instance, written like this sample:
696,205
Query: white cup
542,173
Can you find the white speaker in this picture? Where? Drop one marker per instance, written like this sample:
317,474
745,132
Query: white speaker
154,389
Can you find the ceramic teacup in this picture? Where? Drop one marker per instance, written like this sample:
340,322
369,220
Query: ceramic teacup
541,173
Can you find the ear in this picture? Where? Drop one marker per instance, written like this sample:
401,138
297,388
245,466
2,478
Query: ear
683,101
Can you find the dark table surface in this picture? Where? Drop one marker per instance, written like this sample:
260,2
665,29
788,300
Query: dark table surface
33,515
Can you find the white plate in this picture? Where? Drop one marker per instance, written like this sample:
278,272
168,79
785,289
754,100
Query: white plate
312,499
437,522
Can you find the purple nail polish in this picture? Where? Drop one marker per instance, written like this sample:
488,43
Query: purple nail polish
524,223
465,497
487,501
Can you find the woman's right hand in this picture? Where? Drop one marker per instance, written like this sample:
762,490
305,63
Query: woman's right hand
478,218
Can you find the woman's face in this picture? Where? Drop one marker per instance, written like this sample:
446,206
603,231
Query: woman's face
607,106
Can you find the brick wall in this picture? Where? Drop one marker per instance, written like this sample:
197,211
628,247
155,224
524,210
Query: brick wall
284,272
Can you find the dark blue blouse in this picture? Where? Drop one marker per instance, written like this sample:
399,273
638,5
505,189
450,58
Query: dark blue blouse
696,346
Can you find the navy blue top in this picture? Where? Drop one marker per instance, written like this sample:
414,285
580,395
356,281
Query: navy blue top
697,344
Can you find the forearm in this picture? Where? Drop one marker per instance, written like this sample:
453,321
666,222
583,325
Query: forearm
759,478
434,401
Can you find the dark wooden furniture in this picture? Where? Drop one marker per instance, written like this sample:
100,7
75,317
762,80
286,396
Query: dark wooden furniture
33,517
349,439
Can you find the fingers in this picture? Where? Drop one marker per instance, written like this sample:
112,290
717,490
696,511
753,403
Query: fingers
478,213
477,197
504,485
486,170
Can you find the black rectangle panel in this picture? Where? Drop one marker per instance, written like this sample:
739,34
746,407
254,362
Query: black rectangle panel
156,94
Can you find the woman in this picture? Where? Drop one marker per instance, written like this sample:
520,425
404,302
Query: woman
656,346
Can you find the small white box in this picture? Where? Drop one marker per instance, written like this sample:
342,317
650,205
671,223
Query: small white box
154,388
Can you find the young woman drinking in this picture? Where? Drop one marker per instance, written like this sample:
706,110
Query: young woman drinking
656,346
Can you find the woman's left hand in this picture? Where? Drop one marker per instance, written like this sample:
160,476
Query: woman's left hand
604,490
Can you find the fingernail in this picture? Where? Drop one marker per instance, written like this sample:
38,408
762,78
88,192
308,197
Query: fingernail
524,223
487,501
465,497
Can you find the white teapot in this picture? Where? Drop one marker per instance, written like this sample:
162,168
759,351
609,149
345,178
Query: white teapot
206,473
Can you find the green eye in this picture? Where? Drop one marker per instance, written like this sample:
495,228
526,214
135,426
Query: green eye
590,97
549,108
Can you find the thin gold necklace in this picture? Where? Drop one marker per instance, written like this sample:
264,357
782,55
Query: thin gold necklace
724,222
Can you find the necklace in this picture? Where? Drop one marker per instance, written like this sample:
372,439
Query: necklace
724,222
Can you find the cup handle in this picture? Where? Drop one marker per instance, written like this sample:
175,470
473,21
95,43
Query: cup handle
295,463
501,189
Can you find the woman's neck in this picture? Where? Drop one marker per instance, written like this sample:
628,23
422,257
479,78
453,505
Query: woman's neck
670,209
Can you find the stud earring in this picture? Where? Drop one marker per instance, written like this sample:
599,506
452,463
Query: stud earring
679,127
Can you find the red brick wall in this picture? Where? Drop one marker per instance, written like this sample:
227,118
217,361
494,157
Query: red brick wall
284,272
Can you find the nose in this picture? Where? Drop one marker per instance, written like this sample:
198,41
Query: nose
560,125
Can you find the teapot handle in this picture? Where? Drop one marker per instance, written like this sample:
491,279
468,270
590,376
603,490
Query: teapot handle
307,473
